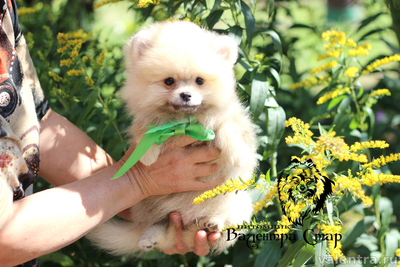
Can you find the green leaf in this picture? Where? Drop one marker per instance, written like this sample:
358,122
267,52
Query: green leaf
249,21
359,228
360,93
269,255
275,76
236,33
270,7
321,130
58,257
275,125
291,253
259,92
214,17
395,50
370,33
385,207
392,242
305,254
320,253
354,124
89,105
217,3
334,102
242,53
343,106
371,116
268,176
299,25
329,210
275,39
367,21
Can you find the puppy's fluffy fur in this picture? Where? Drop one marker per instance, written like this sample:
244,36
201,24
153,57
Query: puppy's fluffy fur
176,69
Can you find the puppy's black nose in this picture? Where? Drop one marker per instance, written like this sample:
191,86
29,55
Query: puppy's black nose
186,96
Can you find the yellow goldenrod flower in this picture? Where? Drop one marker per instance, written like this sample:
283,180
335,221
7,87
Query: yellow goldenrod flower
196,20
382,160
26,10
74,53
229,186
329,65
145,3
259,57
334,247
359,51
379,62
272,193
353,185
335,53
66,62
332,95
100,60
380,92
351,72
55,77
334,37
285,224
104,2
371,178
350,43
74,72
89,81
369,144
302,134
79,34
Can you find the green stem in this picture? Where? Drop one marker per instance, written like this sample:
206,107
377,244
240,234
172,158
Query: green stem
359,115
109,115
378,220
233,11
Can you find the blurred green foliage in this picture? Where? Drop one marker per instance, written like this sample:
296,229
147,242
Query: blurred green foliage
278,42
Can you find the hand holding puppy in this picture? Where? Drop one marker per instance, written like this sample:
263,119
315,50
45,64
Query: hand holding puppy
176,170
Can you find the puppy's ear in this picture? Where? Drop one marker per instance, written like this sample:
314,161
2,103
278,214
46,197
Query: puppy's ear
226,47
139,42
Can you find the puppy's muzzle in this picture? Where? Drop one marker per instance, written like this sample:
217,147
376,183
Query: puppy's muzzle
186,96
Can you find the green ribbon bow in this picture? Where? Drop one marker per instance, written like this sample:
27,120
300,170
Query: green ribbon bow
159,134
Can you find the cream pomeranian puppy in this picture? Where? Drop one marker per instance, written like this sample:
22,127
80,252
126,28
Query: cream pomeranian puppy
176,69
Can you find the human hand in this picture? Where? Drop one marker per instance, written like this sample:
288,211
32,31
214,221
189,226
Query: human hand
177,169
202,241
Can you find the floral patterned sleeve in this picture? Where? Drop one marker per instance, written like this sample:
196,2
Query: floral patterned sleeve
22,105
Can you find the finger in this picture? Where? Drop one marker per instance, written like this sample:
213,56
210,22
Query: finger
125,214
176,220
201,247
201,185
181,141
205,169
200,154
213,238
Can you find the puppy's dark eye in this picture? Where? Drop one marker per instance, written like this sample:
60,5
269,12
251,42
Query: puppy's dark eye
199,81
169,81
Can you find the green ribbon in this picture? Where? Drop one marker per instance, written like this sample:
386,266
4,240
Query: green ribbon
158,134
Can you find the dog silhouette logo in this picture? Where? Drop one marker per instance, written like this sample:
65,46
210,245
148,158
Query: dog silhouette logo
302,190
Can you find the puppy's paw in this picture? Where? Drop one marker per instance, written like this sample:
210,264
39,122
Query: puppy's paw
210,224
152,237
146,243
